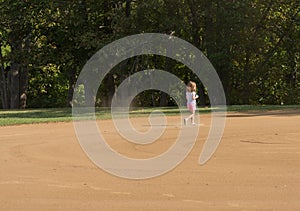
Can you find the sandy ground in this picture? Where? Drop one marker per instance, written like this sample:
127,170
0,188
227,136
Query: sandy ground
256,167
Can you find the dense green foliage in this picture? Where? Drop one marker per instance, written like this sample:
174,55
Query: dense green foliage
253,44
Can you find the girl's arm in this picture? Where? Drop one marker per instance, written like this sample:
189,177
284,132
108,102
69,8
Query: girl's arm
195,96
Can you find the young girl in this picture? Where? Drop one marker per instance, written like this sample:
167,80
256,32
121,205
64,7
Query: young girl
191,97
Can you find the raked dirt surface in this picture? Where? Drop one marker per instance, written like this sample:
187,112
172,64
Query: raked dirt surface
256,167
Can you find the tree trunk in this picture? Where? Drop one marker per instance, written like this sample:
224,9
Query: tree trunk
23,80
72,81
3,88
16,47
111,89
90,95
246,90
152,99
23,76
78,63
14,85
202,96
163,99
196,42
15,42
107,20
209,31
127,8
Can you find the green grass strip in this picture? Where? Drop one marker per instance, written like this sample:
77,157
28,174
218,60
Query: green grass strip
31,116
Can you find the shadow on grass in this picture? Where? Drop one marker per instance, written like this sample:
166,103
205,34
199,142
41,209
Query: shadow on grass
39,114
285,112
45,113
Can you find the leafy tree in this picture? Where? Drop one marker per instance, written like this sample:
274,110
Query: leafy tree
253,45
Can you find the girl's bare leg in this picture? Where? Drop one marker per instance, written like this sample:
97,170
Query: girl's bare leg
192,117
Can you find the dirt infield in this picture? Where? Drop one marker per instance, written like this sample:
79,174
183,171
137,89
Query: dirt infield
256,167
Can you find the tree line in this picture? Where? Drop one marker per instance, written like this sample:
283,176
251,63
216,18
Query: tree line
253,45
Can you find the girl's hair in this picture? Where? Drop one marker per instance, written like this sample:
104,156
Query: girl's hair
192,85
